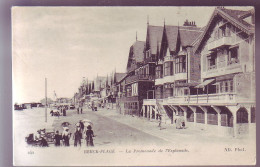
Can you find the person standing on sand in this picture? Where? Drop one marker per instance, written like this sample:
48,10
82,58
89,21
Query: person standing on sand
160,121
57,138
89,136
66,137
77,136
64,111
81,124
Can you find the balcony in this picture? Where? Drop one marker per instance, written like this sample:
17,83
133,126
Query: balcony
168,58
150,59
227,98
149,102
224,41
231,67
233,61
212,67
159,81
160,62
135,78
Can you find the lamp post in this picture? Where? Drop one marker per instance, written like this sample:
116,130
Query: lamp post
46,103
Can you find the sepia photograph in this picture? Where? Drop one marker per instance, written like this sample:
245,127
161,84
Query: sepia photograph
131,86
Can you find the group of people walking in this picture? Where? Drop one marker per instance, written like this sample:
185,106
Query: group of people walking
63,110
78,135
178,120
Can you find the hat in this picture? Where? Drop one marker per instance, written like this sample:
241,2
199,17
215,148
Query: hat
89,127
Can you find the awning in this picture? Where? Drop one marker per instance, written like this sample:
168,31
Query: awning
205,83
190,84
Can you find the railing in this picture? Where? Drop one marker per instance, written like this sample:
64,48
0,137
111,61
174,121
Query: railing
224,40
211,98
159,76
233,61
149,102
212,67
134,78
160,61
150,59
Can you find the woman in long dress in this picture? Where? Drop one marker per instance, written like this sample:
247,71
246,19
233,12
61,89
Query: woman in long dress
89,136
66,137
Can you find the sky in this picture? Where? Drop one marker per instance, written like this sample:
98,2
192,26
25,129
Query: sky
65,44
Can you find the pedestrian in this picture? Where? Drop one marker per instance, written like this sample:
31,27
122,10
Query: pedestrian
61,110
51,112
77,136
81,124
81,110
44,143
66,136
89,136
160,121
64,112
57,138
178,122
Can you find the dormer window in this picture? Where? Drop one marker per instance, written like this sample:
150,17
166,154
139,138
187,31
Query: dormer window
147,53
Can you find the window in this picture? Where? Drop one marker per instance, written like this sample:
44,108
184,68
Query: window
159,72
231,89
129,91
212,61
168,68
186,91
225,86
225,30
180,64
233,56
222,31
147,54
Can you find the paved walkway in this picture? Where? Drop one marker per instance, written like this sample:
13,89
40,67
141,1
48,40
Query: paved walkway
169,132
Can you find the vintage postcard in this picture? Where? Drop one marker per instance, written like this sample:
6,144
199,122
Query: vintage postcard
133,86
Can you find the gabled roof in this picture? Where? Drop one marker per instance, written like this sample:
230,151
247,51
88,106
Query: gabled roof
122,78
236,14
188,35
119,76
233,16
153,37
136,53
138,50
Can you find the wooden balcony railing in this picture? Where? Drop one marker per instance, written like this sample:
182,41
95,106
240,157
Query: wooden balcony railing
150,59
135,78
233,61
202,99
212,67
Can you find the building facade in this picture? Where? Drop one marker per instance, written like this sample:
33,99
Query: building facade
207,75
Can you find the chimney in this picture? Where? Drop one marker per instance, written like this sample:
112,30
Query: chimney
189,23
